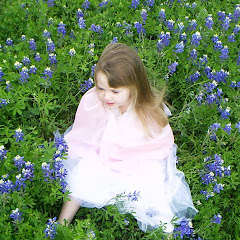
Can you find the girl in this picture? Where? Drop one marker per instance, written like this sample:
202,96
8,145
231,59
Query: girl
121,148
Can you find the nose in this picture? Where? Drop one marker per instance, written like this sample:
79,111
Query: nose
107,96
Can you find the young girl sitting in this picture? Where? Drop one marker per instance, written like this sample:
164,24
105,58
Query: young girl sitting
121,148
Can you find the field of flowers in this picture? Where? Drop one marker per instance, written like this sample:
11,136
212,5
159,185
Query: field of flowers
48,50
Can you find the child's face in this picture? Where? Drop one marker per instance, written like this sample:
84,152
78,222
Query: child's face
112,97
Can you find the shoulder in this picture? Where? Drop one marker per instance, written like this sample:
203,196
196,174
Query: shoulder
90,97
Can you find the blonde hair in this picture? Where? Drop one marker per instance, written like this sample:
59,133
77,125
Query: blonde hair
124,68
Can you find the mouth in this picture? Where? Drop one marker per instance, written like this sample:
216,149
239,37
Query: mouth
109,103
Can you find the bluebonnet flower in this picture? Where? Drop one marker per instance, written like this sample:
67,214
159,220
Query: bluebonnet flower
226,23
225,113
50,45
115,39
218,187
179,48
208,178
215,38
92,69
231,38
51,226
28,171
32,69
196,37
1,74
24,75
210,86
19,183
172,67
79,13
228,128
194,4
162,14
61,29
163,41
18,65
47,74
50,21
224,53
180,26
19,162
26,61
23,37
51,3
236,13
128,28
150,3
52,58
64,186
37,57
170,24
60,143
59,170
46,33
91,234
86,4
3,152
220,76
72,52
209,22
118,24
47,171
193,25
96,28
233,84
32,44
133,196
86,85
207,194
212,131
72,35
194,77
126,221
144,15
134,4
139,27
211,98
9,42
203,60
238,59
236,126
91,50
3,102
103,3
6,186
183,37
18,135
227,171
199,97
16,215
236,29
221,15
81,23
217,219
184,229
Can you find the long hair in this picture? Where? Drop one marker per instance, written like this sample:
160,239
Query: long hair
124,68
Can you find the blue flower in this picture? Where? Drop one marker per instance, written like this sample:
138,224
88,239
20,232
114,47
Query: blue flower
47,74
50,45
194,77
196,37
81,23
150,3
19,183
236,29
37,57
23,37
18,65
51,3
231,38
215,38
225,113
86,4
18,135
46,33
26,61
134,4
209,21
47,171
227,128
3,102
115,39
162,14
96,28
1,74
236,13
61,29
3,152
133,196
9,42
103,3
52,58
218,187
72,52
79,13
139,27
32,44
172,67
224,53
193,25
51,227
18,162
221,15
86,85
179,48
226,23
236,126
184,229
217,219
16,215
144,15
170,24
32,69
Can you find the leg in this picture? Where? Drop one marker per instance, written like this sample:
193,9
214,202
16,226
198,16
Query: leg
69,209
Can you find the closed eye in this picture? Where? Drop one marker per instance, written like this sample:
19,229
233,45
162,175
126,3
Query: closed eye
114,91
101,89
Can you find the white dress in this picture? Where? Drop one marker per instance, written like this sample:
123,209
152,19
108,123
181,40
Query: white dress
112,161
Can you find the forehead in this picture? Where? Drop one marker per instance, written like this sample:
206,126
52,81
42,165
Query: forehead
102,79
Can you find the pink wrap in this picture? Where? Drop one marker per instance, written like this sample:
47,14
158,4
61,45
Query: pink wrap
117,140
